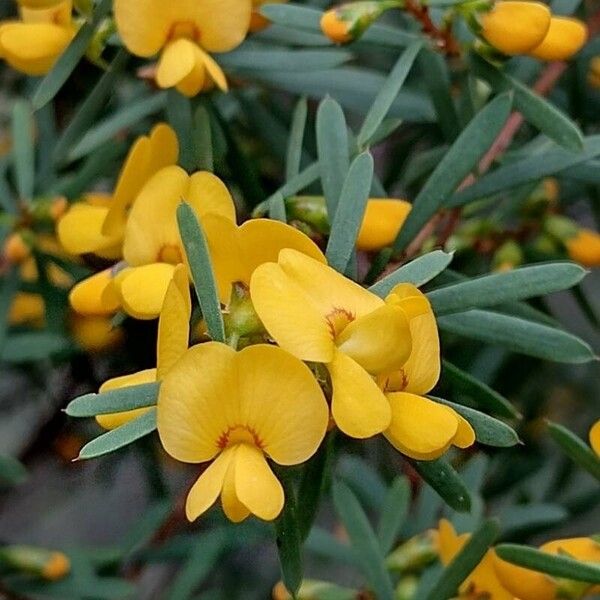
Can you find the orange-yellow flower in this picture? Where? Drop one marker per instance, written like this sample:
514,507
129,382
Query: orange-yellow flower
236,409
381,223
594,436
565,37
584,247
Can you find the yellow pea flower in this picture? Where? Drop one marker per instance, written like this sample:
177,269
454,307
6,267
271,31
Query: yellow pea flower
318,315
172,342
237,409
185,31
595,437
421,428
236,251
515,27
584,247
97,224
565,37
594,72
381,223
33,44
27,309
95,333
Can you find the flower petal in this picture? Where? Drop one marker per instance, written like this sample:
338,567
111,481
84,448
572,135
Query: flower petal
281,401
95,295
234,510
381,223
465,434
198,401
177,60
207,194
595,437
213,69
420,428
448,542
255,485
524,583
580,548
359,407
565,37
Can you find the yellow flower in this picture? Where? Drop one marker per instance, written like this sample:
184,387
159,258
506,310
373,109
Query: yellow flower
237,409
516,27
237,251
185,31
584,248
482,581
381,223
171,344
16,249
320,316
97,224
594,72
33,44
27,309
565,37
95,333
594,436
336,28
95,295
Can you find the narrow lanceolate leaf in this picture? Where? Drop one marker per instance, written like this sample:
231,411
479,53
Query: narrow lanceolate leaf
497,288
179,115
537,110
459,161
387,94
350,211
127,398
202,140
518,335
8,289
23,152
90,107
32,345
418,272
488,431
464,562
120,437
332,149
557,565
69,59
442,477
483,395
296,139
196,249
364,541
277,209
293,15
576,449
393,513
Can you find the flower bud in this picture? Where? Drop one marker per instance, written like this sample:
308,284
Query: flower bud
584,248
514,27
562,228
413,555
507,257
17,247
565,37
381,223
48,564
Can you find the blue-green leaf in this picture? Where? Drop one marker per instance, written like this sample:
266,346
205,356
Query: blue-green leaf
23,152
121,399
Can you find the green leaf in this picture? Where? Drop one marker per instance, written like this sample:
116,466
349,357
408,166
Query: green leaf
482,394
349,212
488,431
10,286
23,151
364,541
202,140
297,60
387,94
518,335
530,518
123,119
90,107
441,476
68,60
198,255
533,168
497,288
418,272
393,513
558,565
277,210
462,157
323,544
12,471
576,449
296,139
293,15
179,116
464,562
121,399
32,346
332,144
120,437
536,109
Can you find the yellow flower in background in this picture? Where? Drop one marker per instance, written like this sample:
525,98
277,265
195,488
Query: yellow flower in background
565,37
381,223
184,31
27,309
593,77
33,44
171,344
237,409
318,315
421,428
95,295
515,27
584,247
97,224
594,436
236,251
95,334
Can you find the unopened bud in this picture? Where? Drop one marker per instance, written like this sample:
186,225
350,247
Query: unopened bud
507,257
241,319
562,228
48,564
413,555
584,247
17,247
565,37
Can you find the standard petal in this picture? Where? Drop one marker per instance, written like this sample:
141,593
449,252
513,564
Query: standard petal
381,223
198,402
595,437
95,295
420,428
177,60
281,401
207,194
255,484
289,315
359,407
208,486
142,290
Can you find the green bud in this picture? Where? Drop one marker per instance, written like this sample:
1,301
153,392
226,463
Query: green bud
413,555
